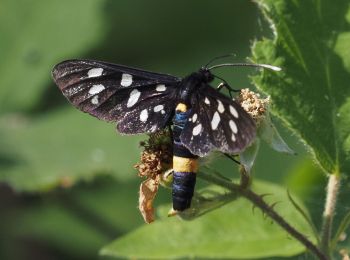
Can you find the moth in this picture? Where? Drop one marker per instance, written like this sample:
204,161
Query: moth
202,118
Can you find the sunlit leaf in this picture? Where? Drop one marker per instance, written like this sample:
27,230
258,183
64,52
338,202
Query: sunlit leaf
233,231
311,93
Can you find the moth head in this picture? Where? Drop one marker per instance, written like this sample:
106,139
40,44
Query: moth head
206,75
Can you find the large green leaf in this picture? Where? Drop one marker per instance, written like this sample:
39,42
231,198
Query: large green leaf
312,94
62,147
36,34
233,231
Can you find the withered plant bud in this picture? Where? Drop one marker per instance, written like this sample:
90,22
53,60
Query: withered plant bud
148,191
157,155
156,158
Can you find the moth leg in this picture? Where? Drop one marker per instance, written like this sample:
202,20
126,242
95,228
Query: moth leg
229,156
228,87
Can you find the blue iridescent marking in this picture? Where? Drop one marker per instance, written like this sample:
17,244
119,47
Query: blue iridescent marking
180,118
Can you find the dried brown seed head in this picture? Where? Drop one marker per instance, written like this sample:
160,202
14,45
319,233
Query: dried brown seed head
252,103
157,155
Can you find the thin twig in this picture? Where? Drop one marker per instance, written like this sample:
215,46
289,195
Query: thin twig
245,179
258,201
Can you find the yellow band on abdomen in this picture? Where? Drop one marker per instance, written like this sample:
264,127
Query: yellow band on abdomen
181,164
181,107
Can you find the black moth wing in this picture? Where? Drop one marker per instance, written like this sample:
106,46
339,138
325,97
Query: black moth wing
153,112
217,123
118,93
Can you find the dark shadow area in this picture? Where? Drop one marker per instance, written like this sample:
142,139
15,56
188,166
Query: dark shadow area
21,238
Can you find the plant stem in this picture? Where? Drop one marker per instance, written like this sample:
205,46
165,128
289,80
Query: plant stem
329,211
258,201
245,180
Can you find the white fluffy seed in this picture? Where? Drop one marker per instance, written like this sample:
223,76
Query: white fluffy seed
95,89
133,97
215,121
144,115
95,72
233,127
233,111
126,80
197,129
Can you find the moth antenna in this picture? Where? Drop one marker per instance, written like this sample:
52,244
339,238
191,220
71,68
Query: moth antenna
219,57
265,66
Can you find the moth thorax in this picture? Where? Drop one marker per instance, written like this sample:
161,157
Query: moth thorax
189,85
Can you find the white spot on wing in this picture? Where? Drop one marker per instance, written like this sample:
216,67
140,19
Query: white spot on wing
95,72
194,117
94,100
206,101
161,87
233,138
233,126
215,121
221,108
95,89
133,98
126,80
144,115
233,111
197,129
158,108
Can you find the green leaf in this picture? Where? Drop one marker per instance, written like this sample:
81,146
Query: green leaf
35,35
62,147
341,230
233,231
311,94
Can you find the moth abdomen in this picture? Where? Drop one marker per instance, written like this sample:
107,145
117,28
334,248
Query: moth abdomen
185,164
183,189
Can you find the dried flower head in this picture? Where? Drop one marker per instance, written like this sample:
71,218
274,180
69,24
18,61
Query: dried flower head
156,159
252,103
157,155
258,109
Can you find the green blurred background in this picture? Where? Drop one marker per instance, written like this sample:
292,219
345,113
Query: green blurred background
67,183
